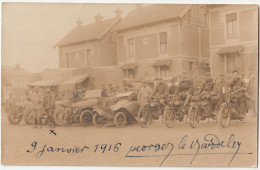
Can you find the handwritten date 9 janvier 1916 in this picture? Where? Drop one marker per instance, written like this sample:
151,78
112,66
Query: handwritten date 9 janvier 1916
210,143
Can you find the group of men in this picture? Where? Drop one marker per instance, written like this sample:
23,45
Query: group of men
43,102
213,89
109,90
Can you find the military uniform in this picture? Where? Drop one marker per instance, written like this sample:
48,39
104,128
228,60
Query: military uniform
185,86
37,100
238,97
161,89
50,106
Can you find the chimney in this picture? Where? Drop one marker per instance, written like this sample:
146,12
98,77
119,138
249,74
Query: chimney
18,66
98,18
79,23
118,13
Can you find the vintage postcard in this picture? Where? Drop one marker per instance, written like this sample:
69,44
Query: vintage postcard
129,84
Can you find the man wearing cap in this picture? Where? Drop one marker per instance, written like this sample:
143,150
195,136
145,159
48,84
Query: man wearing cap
144,92
207,91
161,89
50,99
37,107
173,87
235,84
185,89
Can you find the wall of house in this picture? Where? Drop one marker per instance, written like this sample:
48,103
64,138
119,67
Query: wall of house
247,18
108,51
146,42
103,53
247,25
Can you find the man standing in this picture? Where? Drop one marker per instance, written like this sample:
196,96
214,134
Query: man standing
37,108
52,98
185,89
144,92
10,105
173,87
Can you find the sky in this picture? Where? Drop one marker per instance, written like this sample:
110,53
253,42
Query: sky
30,30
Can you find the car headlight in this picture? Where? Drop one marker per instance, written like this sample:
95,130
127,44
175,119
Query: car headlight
75,110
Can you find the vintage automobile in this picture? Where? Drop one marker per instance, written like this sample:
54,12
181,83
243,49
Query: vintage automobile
69,112
174,111
153,110
69,92
117,110
201,108
229,110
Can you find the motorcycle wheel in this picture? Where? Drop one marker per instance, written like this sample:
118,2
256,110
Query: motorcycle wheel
225,115
29,119
169,117
193,117
143,118
86,118
98,120
120,119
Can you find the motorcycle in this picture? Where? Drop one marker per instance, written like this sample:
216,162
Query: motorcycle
151,111
201,108
174,110
230,109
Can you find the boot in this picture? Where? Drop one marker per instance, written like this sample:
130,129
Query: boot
35,122
40,120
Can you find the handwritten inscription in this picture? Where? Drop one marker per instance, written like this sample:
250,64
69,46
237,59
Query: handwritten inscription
210,144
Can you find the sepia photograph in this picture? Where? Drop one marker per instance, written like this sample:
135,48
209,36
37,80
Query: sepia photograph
129,84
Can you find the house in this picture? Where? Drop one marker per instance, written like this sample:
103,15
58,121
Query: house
89,45
233,38
17,79
162,41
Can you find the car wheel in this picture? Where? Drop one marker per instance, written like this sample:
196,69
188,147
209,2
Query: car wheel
98,120
120,119
86,118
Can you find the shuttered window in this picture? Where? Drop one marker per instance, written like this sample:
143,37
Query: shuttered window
231,22
163,42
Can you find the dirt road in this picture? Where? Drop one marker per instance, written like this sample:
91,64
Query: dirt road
215,146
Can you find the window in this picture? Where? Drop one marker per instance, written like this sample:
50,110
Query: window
163,42
231,22
78,59
163,71
131,47
88,57
191,64
129,73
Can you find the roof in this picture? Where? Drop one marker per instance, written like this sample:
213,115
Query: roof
231,49
161,62
45,83
150,14
129,66
76,79
14,71
88,32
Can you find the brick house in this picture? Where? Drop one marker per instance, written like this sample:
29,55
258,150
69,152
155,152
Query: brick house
89,45
233,38
162,41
